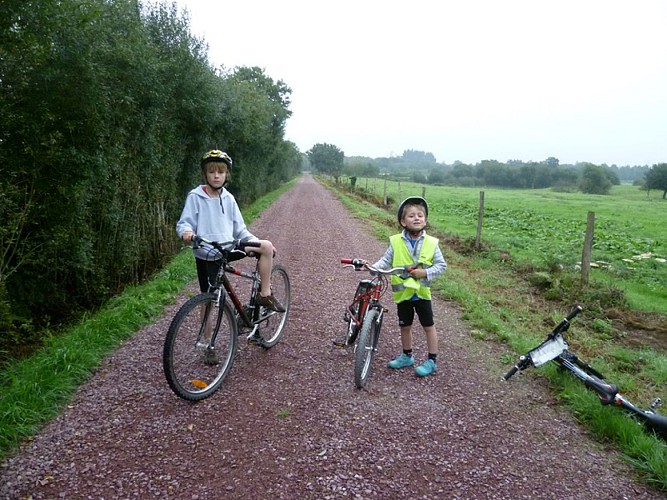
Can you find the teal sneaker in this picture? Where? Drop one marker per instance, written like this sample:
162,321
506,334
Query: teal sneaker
429,367
402,361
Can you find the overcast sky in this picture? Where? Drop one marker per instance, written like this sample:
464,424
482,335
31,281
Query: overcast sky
468,80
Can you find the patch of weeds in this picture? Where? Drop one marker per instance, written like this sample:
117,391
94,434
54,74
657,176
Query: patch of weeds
478,334
604,327
507,359
626,361
284,413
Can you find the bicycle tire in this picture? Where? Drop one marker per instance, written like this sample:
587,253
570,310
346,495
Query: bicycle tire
365,348
194,369
272,328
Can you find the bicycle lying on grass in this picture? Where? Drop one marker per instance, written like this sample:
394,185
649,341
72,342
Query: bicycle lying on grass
202,338
364,316
556,349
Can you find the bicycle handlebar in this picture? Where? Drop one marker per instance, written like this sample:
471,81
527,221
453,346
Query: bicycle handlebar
220,245
565,323
358,264
525,361
574,312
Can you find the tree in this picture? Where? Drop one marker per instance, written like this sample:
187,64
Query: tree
551,162
656,178
594,180
462,170
327,159
436,176
413,156
106,107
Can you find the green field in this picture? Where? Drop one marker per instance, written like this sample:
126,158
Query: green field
547,227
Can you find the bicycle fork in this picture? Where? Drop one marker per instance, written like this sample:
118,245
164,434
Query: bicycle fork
376,331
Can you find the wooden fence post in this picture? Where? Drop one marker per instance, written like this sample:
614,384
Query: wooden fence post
385,192
480,220
588,246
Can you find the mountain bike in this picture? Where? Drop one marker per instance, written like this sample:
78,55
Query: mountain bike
202,339
364,316
555,348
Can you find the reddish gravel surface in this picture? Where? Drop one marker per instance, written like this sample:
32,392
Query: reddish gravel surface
289,423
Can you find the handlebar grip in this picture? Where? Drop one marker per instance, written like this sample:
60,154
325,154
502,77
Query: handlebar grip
251,243
574,312
357,263
509,374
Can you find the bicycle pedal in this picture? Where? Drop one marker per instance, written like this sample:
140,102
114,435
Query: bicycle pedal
256,340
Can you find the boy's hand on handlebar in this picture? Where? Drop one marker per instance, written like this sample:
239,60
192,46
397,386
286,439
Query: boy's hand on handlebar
187,236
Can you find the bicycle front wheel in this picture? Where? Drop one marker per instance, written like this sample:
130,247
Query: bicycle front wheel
272,327
199,348
365,347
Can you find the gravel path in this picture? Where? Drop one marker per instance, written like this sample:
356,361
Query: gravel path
289,423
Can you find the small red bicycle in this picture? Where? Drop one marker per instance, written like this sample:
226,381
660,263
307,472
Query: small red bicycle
364,316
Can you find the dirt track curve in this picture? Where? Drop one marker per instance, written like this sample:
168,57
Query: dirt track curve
288,423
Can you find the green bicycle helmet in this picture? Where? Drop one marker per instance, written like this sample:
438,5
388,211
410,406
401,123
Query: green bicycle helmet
412,200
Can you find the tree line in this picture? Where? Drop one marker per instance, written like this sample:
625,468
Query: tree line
421,167
106,108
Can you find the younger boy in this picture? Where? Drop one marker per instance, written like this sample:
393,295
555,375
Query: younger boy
415,249
211,212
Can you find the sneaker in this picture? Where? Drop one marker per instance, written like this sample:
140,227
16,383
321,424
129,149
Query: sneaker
429,367
270,302
402,361
340,342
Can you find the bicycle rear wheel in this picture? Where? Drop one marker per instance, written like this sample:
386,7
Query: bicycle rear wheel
271,329
199,348
365,348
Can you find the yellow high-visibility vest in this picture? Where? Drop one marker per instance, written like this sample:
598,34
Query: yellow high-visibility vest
404,289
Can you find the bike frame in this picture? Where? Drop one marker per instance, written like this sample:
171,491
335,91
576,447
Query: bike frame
224,288
368,300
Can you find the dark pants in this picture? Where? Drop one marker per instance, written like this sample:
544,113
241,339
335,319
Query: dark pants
207,271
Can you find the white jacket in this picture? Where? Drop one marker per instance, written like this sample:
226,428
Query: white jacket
216,219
